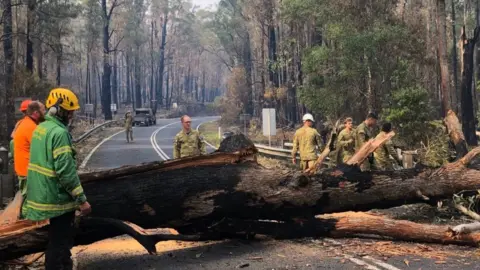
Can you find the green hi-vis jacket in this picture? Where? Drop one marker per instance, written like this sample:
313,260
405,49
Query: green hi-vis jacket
53,185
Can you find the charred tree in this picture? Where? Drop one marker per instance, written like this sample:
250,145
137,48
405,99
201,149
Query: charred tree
468,110
192,194
31,4
106,96
6,98
127,76
161,68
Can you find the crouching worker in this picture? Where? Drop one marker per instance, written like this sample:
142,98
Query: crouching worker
54,191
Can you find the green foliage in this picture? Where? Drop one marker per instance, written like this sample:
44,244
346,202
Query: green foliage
357,53
409,111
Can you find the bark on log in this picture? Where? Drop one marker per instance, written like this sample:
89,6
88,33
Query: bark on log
192,194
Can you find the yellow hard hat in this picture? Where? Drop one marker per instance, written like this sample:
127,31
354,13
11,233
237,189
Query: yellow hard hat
69,100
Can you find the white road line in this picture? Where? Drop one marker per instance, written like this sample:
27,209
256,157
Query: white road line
361,263
209,144
87,158
380,263
155,145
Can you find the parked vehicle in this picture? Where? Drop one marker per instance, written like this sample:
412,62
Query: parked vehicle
144,116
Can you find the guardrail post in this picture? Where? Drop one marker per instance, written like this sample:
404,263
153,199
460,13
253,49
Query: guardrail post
408,159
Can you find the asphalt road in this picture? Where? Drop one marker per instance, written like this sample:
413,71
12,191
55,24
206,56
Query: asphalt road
155,143
150,144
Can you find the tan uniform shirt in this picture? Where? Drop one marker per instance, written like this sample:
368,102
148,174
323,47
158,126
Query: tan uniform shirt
383,153
305,141
345,145
188,144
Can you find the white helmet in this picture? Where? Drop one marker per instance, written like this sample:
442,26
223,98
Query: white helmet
308,117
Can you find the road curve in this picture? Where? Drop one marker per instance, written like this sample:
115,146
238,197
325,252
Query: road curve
150,144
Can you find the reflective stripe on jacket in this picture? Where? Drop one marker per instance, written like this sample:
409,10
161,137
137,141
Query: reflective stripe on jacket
53,185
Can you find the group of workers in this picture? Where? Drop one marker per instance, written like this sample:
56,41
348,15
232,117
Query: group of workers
307,140
45,164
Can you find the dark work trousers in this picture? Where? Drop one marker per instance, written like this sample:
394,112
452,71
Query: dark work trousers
60,236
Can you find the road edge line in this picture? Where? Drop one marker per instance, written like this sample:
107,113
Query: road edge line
155,146
89,156
380,263
209,144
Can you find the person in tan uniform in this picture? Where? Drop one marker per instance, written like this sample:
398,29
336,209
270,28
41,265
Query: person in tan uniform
305,141
188,142
128,126
382,155
363,133
346,142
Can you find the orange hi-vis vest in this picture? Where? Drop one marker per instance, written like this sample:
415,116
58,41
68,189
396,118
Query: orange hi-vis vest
21,143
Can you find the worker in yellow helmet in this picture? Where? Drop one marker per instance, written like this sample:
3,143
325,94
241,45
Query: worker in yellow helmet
54,190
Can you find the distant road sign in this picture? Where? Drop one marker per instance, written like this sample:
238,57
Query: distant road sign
88,108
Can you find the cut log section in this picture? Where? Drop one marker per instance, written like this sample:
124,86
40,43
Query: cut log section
192,194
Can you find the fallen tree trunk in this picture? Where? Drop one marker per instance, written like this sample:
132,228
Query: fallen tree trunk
193,193
354,224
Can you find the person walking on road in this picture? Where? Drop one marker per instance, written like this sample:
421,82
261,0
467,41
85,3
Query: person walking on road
128,126
22,139
54,190
382,155
305,141
188,142
363,133
346,142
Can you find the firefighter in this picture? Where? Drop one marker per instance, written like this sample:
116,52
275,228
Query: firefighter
22,138
54,190
305,141
188,142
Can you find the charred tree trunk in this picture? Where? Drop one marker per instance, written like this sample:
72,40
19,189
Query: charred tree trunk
115,79
58,53
137,78
127,76
6,98
30,23
468,111
161,68
203,86
191,194
107,69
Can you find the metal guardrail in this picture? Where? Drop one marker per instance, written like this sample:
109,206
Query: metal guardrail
273,151
91,131
280,153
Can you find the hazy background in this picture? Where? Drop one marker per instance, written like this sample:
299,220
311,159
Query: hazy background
205,3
